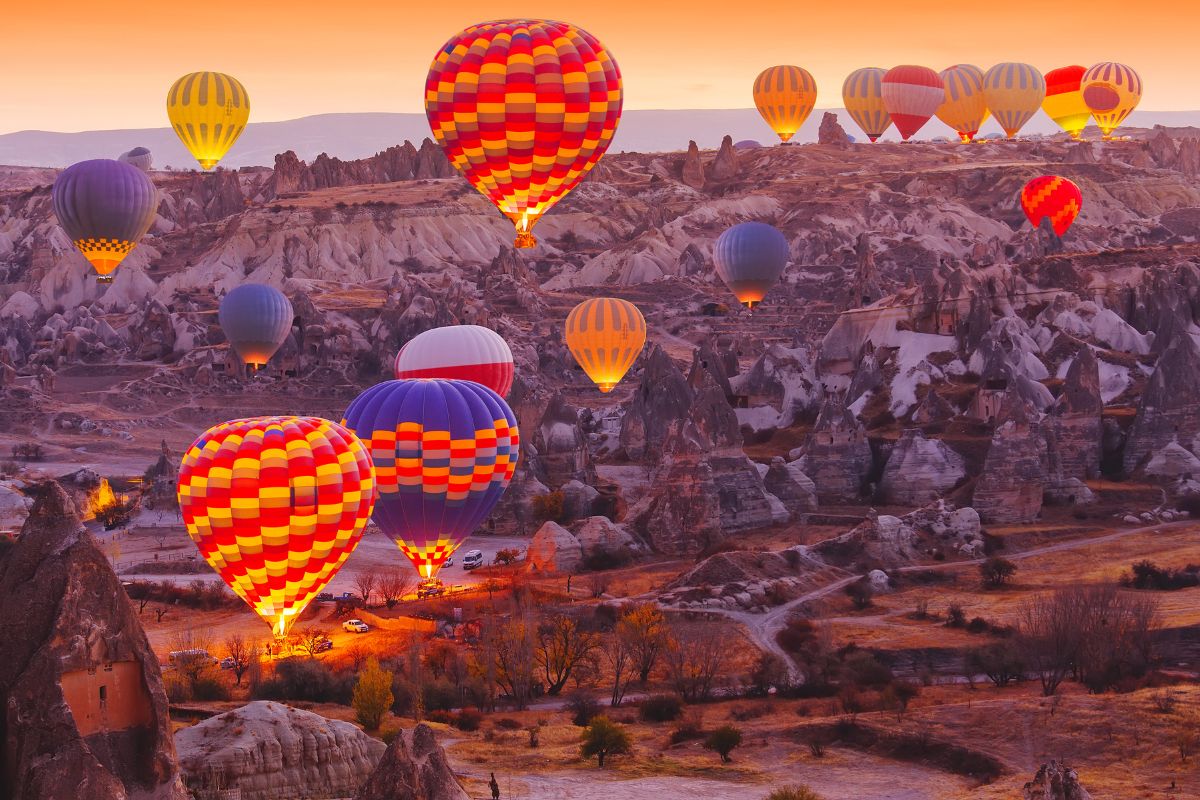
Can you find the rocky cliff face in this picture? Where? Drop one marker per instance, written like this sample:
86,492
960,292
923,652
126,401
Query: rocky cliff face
399,163
269,750
1010,488
1074,425
1167,409
837,455
920,470
86,713
414,767
662,399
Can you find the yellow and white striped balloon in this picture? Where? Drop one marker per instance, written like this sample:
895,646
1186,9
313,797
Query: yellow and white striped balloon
209,111
862,94
785,96
605,335
1014,92
1111,91
964,108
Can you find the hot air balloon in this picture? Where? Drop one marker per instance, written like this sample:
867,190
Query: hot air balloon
963,108
1064,101
459,352
208,111
106,207
750,257
605,335
747,144
911,95
275,506
138,157
1054,197
1014,93
785,96
256,320
1111,92
444,452
862,94
523,109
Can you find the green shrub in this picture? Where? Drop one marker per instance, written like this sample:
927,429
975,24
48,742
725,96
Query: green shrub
723,741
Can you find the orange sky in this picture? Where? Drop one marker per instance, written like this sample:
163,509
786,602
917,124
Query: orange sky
74,65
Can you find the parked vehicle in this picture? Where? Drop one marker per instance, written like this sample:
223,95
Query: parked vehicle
430,587
228,663
322,645
325,597
191,656
473,559
355,626
347,596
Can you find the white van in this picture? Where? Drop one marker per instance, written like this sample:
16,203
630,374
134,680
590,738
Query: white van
473,559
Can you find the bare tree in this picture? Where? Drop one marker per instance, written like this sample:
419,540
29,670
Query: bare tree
366,582
562,646
621,662
241,654
695,656
160,611
1050,628
358,655
515,660
395,583
644,629
309,639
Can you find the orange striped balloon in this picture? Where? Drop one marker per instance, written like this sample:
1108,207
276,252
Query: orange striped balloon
1014,93
862,94
276,505
1112,91
964,108
785,96
523,108
606,335
1054,197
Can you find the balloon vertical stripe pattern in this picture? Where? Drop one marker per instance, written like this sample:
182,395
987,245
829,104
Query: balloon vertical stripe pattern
523,109
276,505
1014,93
1112,91
605,335
209,111
785,96
1052,196
256,320
458,352
912,95
444,452
862,94
105,207
750,257
1064,101
963,108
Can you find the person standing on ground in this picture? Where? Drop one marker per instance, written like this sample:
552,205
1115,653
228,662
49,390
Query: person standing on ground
495,787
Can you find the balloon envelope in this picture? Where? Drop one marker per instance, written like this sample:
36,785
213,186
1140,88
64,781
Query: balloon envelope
605,335
1014,93
862,94
444,452
963,108
256,320
911,95
785,96
1054,197
523,109
105,207
138,157
1064,101
459,352
209,111
275,506
750,257
1112,91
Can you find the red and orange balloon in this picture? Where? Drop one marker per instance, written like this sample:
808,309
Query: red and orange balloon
523,108
275,506
1054,197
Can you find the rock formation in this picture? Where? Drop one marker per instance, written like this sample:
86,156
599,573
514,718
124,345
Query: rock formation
1167,409
920,470
562,452
663,398
86,713
1055,781
269,750
693,169
398,163
794,489
413,767
1075,420
837,455
554,549
724,166
831,132
1010,488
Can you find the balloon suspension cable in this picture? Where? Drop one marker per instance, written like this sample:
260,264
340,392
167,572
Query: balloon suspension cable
525,238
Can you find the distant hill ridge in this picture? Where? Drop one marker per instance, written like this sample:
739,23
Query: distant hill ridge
350,136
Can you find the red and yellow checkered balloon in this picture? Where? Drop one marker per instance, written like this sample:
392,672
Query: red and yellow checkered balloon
276,505
1054,197
523,108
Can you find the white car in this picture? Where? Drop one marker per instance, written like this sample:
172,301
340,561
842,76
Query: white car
449,562
355,626
473,559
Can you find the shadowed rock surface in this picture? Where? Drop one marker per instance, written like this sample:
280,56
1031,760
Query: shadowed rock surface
1055,781
413,767
85,710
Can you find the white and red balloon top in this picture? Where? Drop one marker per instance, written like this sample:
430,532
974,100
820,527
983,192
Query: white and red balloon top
458,352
